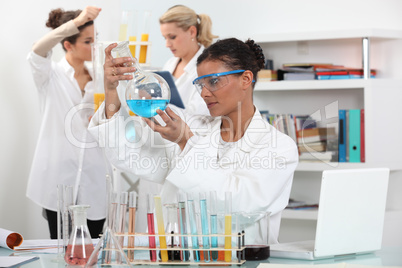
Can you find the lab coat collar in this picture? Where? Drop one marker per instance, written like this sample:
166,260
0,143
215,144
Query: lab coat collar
254,133
251,139
192,64
69,70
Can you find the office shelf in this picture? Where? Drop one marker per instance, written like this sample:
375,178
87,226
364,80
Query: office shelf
379,97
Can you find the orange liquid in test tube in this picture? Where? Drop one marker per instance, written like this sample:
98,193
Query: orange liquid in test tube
98,99
132,47
143,49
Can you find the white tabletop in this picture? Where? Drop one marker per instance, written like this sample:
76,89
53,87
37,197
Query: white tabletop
385,257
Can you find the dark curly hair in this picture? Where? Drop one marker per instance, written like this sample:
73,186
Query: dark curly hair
58,17
236,55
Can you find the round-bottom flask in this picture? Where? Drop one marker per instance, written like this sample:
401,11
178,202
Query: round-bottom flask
80,246
146,92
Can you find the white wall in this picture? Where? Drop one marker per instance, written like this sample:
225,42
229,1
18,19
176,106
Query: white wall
23,23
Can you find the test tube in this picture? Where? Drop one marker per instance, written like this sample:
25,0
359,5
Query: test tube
161,228
132,30
132,208
114,197
204,225
151,227
64,219
214,224
123,25
183,226
122,220
193,226
145,37
228,226
113,211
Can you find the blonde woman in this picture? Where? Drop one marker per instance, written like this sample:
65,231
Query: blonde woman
186,34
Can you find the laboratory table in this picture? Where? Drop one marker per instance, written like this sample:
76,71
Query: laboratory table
390,256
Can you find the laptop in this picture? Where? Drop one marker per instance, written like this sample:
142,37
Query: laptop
175,98
350,216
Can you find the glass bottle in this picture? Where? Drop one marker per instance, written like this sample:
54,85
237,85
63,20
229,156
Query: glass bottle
80,246
146,92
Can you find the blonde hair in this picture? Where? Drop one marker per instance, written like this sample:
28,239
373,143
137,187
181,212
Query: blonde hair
185,17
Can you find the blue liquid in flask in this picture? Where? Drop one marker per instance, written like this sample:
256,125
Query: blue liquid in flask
147,107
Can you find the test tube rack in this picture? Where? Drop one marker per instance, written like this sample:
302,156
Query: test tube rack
239,249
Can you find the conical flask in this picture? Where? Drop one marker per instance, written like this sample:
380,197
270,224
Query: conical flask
80,246
146,92
108,252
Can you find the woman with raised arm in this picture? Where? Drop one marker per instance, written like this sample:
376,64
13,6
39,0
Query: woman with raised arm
66,154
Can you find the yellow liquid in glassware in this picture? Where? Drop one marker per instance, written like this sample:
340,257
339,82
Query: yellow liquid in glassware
228,239
143,49
132,47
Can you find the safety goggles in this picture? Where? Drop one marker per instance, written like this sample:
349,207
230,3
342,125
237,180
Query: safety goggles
213,82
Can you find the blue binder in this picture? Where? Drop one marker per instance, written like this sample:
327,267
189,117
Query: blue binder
354,135
342,136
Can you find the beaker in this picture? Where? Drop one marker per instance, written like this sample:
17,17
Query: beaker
146,92
256,227
80,246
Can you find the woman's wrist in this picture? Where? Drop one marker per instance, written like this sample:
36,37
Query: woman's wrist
112,103
183,142
78,22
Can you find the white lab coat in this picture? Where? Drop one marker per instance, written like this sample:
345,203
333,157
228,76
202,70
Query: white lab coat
194,104
192,100
258,169
65,153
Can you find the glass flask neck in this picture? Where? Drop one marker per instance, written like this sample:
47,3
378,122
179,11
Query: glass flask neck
79,214
123,50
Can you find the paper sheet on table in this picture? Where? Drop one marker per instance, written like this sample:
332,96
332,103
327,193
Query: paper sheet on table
10,239
37,244
14,261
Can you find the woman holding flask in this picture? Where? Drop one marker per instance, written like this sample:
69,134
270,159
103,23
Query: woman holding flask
232,150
